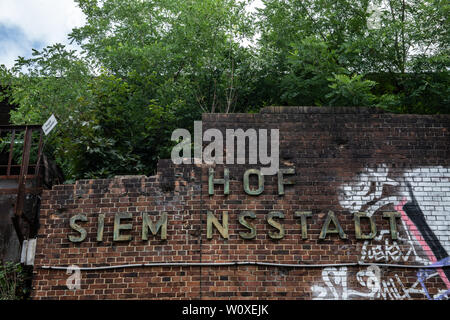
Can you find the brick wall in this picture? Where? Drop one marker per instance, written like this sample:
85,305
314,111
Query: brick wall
346,160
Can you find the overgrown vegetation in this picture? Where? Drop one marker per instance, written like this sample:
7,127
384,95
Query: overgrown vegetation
14,281
151,66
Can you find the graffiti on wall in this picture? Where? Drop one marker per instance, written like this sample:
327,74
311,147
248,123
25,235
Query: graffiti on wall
422,197
373,286
383,249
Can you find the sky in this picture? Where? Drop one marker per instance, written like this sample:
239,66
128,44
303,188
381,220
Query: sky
28,24
35,24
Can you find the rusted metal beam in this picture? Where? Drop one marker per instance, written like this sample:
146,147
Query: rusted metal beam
37,166
23,172
23,176
16,166
16,176
18,228
20,127
35,190
11,149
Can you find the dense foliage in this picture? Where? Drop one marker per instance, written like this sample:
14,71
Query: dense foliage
148,67
330,52
14,281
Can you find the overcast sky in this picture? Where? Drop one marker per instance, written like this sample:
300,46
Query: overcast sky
27,24
35,24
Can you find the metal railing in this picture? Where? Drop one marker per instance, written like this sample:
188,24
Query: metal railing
21,171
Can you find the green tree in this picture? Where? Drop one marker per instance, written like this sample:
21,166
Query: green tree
150,66
147,68
190,48
403,45
350,91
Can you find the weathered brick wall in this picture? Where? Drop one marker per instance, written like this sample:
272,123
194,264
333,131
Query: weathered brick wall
346,160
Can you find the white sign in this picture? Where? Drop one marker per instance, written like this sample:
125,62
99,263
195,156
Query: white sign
28,252
49,124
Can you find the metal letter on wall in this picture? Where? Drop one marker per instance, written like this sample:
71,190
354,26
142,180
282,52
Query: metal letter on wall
373,228
392,223
76,227
247,182
303,215
326,227
148,224
245,223
100,227
225,181
277,225
282,181
212,220
118,227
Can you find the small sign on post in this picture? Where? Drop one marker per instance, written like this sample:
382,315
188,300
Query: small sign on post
28,252
49,124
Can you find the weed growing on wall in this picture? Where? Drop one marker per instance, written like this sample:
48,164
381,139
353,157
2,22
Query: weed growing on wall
14,281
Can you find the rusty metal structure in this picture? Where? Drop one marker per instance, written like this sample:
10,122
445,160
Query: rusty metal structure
21,180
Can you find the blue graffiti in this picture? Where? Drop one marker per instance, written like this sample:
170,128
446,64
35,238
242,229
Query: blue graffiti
425,274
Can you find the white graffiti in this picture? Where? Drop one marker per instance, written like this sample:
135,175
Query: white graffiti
389,252
368,189
374,188
74,281
336,287
425,190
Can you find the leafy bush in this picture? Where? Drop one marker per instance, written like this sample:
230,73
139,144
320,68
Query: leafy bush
350,91
14,281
